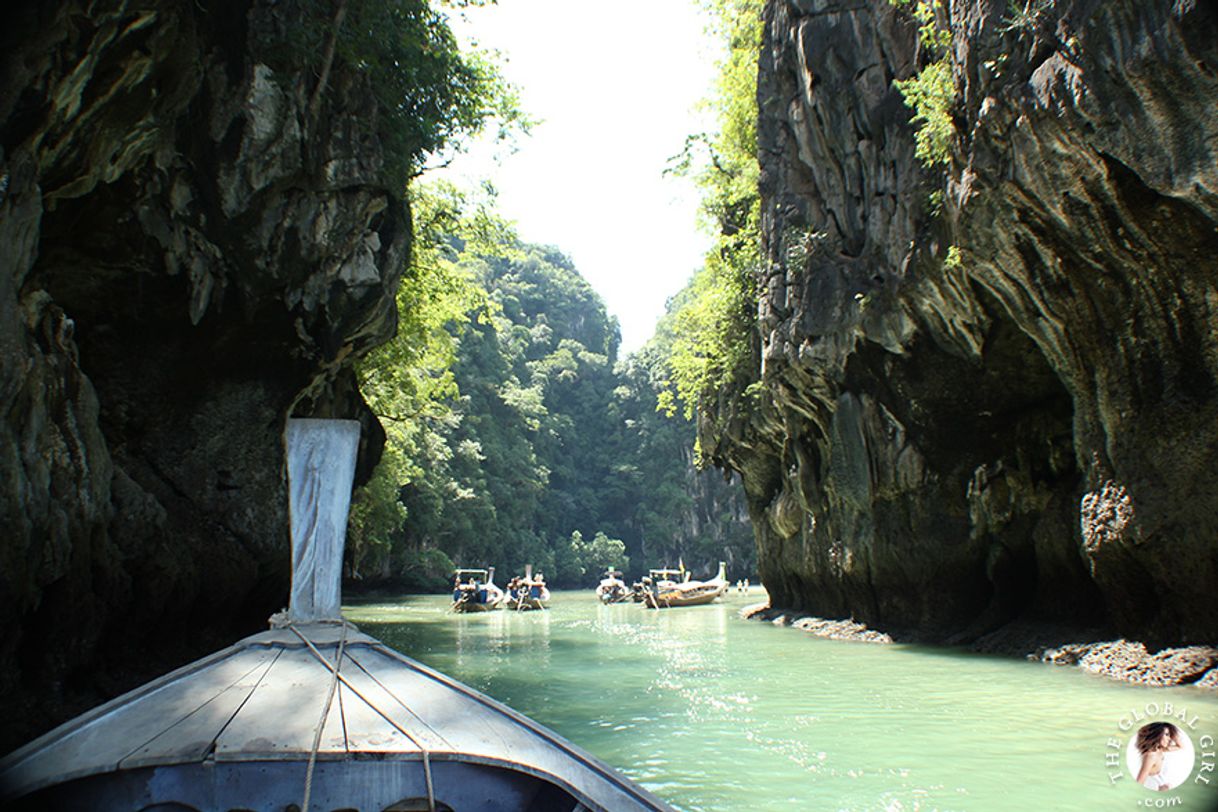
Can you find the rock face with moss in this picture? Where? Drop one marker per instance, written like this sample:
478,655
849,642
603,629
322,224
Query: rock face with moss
193,245
989,384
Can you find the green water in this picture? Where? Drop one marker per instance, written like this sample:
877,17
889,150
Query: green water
712,712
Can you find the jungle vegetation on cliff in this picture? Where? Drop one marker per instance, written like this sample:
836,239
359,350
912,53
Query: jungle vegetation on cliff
930,91
515,434
431,94
714,318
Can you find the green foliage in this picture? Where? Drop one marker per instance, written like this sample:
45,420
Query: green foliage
953,260
931,91
426,569
409,382
514,435
714,320
711,344
490,397
582,561
673,511
605,553
430,94
929,33
405,378
377,516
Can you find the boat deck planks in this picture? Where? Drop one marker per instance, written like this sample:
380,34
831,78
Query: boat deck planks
280,719
367,728
468,726
476,725
334,733
261,699
192,738
115,730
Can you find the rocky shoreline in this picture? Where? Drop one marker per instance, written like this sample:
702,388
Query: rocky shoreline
1131,661
821,627
1125,660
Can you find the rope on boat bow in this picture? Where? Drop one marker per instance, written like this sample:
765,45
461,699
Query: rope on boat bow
335,679
325,711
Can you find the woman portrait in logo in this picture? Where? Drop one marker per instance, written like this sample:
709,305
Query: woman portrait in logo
1154,742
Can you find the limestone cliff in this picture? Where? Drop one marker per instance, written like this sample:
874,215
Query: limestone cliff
193,245
990,388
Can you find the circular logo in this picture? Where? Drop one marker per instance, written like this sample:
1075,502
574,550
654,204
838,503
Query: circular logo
1160,756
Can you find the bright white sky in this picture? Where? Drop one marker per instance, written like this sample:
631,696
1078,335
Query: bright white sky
614,86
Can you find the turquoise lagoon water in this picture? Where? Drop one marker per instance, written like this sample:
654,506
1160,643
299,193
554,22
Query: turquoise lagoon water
712,712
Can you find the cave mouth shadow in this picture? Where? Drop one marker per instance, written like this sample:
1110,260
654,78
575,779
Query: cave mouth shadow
996,434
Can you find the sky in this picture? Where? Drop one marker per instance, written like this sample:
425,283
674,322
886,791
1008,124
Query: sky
614,87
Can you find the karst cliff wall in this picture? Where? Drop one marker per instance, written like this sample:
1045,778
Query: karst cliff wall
989,386
193,245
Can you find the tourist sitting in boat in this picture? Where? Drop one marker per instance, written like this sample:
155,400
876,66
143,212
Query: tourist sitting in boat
612,588
478,593
529,592
470,590
640,589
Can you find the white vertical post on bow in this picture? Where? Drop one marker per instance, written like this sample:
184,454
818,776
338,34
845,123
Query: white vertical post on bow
321,468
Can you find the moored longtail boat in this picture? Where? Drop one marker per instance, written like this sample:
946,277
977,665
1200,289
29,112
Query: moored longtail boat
311,714
657,579
689,593
474,590
528,592
612,589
